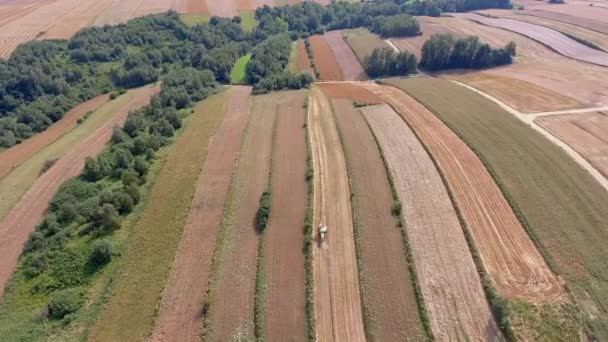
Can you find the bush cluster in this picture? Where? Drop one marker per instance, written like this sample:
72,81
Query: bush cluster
263,214
386,62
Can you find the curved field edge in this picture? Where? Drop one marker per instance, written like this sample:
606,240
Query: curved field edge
543,186
140,279
414,328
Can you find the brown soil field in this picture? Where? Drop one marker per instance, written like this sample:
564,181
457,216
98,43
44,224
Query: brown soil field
388,294
349,64
324,59
22,220
231,311
225,8
598,14
349,91
585,133
523,96
507,252
451,287
303,60
571,18
194,7
554,39
285,314
179,315
363,43
336,280
15,155
414,44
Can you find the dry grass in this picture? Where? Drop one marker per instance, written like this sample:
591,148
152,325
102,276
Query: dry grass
566,209
363,42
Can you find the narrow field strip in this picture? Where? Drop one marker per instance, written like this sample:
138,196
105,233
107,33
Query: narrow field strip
450,284
181,311
359,95
283,260
27,213
508,254
565,207
130,310
388,294
348,62
232,292
14,156
336,281
303,62
324,59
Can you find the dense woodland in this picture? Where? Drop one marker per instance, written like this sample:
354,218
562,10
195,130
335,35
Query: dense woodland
387,62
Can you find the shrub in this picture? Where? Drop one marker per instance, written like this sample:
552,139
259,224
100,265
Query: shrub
65,302
47,165
396,208
107,217
263,213
102,252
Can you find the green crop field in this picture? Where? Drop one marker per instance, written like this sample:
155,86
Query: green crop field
238,73
194,19
566,209
248,21
363,42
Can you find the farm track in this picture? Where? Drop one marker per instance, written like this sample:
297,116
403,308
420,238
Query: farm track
507,252
22,220
328,67
14,156
284,262
388,293
180,315
544,35
349,64
232,307
336,280
451,287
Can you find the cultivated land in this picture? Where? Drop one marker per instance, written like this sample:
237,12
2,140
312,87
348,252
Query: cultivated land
350,66
565,207
233,284
324,59
303,62
336,280
140,278
14,156
554,39
283,262
575,18
507,252
362,42
585,133
179,315
451,287
18,223
390,307
349,91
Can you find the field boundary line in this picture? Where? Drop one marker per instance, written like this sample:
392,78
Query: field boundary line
582,162
309,231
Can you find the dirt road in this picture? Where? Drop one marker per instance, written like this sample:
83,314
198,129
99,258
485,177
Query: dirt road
22,220
336,279
180,313
451,287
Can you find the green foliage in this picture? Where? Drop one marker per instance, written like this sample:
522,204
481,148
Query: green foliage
444,51
263,214
401,25
102,252
396,208
385,62
65,302
238,74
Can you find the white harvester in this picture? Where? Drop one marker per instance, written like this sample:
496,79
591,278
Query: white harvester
322,232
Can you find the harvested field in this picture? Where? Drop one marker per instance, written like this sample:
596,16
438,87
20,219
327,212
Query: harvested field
585,12
451,287
141,276
414,44
179,315
349,91
575,18
23,218
231,311
521,95
303,60
362,42
336,280
283,263
388,293
507,252
14,156
349,64
226,8
324,59
556,40
565,207
585,133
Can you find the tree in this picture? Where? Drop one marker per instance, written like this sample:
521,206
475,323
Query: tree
108,218
102,252
65,302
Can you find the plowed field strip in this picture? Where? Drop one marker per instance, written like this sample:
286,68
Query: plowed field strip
180,313
585,133
388,293
151,246
349,64
27,214
336,279
508,254
566,208
232,307
222,8
303,60
450,284
12,157
284,240
324,59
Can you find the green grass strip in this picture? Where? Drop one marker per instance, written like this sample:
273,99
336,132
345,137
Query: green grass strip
238,73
